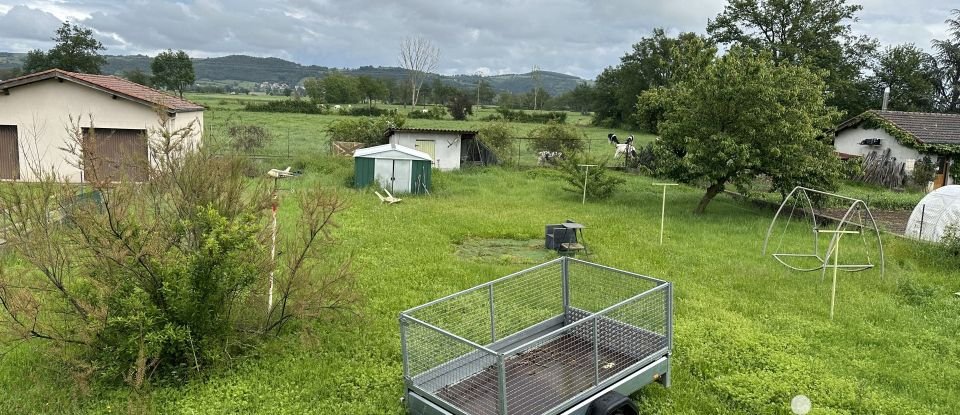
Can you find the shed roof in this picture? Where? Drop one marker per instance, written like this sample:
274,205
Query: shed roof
925,127
390,131
392,151
109,84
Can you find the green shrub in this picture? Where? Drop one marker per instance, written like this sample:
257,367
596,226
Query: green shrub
951,240
923,172
601,184
248,137
507,114
286,105
432,112
366,130
366,111
460,106
498,137
554,136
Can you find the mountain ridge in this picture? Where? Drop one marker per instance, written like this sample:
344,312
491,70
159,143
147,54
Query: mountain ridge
243,68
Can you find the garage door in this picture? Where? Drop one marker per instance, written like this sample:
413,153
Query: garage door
9,153
115,155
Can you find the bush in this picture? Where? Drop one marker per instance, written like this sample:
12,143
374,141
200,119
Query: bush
923,172
507,114
368,130
165,277
498,137
554,136
366,111
460,106
951,239
248,137
601,184
432,112
286,105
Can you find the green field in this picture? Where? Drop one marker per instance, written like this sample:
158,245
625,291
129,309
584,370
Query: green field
749,335
296,134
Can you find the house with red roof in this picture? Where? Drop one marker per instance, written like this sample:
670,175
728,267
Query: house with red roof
38,110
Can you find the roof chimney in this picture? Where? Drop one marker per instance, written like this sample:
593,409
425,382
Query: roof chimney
886,98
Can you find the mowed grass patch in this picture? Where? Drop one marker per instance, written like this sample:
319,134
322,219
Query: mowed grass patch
750,334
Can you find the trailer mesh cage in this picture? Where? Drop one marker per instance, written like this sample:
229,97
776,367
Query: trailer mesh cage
535,341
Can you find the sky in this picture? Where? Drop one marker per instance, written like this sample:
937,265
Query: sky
576,37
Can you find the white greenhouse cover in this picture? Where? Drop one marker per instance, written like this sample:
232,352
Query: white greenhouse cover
935,212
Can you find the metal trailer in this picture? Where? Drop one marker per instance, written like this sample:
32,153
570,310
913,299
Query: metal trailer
563,337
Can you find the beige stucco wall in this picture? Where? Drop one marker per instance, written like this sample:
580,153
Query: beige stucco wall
41,112
447,147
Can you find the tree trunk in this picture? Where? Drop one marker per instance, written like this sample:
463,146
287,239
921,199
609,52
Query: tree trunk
712,191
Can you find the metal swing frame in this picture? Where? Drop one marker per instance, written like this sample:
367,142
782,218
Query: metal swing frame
856,206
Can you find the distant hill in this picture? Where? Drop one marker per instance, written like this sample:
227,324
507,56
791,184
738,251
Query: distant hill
253,69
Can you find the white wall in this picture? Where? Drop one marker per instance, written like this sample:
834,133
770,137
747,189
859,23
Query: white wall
848,141
41,112
447,147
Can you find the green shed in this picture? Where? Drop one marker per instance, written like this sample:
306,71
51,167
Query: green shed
396,168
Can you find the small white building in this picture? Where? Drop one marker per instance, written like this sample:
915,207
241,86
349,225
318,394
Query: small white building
36,112
393,167
909,136
445,147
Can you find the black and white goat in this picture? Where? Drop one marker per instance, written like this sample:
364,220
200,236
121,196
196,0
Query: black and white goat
626,149
545,157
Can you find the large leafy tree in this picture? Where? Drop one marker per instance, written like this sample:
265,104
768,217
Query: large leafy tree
340,89
744,116
76,50
948,55
815,33
173,71
912,76
372,88
652,63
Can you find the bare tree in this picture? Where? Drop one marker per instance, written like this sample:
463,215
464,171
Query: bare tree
419,57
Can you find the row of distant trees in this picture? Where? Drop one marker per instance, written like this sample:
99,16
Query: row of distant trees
815,34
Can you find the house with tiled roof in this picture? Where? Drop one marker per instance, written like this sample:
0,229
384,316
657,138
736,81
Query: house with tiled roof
37,110
909,137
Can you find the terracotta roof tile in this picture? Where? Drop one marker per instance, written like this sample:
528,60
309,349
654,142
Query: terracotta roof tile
111,84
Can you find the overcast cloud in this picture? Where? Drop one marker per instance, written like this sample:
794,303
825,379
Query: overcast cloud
578,37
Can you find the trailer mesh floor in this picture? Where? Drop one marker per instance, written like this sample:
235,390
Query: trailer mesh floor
542,378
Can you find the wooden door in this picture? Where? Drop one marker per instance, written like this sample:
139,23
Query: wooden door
940,179
115,154
9,153
429,147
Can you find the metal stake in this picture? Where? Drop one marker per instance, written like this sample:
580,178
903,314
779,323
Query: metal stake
663,206
586,171
836,266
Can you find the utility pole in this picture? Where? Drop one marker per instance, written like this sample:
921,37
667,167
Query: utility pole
479,84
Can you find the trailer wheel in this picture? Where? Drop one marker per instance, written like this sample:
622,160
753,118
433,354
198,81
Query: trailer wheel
613,403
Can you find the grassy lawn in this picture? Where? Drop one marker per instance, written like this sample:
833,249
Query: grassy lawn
750,334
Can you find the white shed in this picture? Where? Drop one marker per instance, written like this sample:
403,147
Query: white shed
934,214
393,167
445,147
